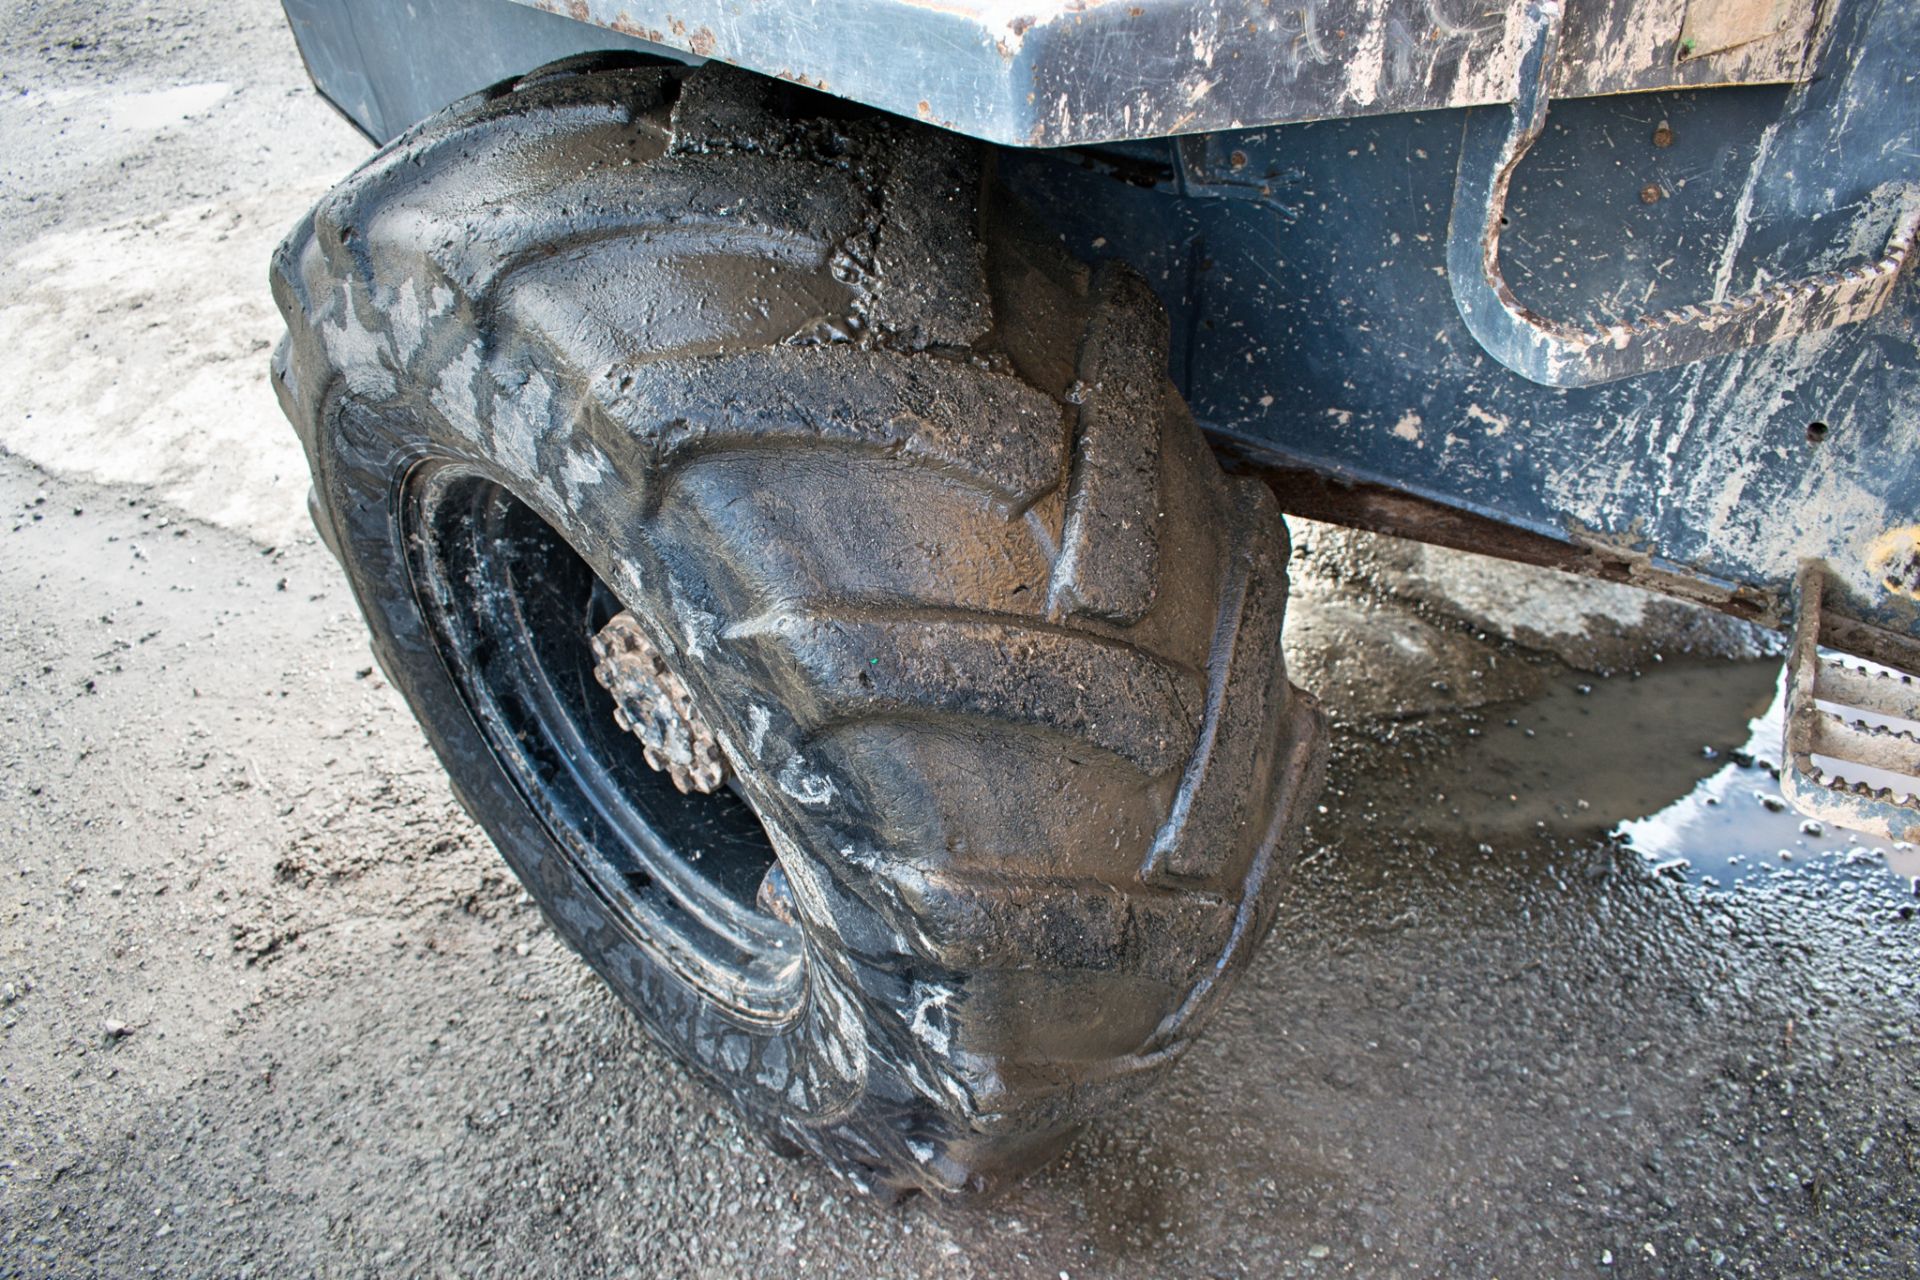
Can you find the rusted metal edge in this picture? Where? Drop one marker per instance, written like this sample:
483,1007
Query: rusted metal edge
1313,494
1558,354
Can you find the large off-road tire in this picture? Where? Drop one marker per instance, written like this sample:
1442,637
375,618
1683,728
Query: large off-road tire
988,642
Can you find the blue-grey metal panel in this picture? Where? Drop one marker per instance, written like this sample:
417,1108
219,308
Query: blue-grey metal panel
1071,72
1558,353
1314,318
389,63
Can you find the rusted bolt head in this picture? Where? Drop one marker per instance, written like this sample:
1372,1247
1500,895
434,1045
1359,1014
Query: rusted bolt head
1650,194
1238,159
1663,136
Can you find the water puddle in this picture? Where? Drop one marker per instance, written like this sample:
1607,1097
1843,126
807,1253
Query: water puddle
1735,825
1680,762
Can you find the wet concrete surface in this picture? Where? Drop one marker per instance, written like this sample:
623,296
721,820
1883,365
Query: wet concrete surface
273,1007
270,1005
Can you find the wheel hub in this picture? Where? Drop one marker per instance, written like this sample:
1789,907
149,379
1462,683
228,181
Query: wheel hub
652,703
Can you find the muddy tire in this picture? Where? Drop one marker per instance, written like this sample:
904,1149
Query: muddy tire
989,644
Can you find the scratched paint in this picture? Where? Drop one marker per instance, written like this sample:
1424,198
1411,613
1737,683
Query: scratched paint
1313,310
1081,71
1563,354
1894,558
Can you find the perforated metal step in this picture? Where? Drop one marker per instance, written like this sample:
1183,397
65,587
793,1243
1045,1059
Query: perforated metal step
1852,752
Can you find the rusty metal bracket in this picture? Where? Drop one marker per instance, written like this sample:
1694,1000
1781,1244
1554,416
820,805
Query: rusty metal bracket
1837,764
1558,354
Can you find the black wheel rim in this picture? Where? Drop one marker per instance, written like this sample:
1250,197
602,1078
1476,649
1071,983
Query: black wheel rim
512,606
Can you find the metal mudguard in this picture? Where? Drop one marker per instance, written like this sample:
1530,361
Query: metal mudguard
1068,72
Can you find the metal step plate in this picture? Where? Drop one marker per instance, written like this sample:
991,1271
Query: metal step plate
1852,752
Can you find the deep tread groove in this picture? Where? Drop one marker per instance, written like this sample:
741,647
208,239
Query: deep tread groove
1244,656
1117,698
994,431
1110,550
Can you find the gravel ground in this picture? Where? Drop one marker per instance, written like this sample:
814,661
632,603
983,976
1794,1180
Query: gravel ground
270,1005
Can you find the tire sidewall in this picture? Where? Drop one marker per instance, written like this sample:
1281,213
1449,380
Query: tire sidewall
800,1075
